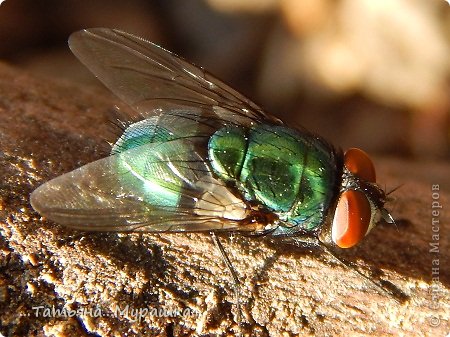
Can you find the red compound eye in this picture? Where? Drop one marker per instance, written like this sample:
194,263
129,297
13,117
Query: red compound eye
359,163
351,219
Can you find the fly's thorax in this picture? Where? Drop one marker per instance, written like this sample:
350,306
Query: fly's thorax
359,205
287,172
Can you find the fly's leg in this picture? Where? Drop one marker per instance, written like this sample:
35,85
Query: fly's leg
396,294
227,262
385,288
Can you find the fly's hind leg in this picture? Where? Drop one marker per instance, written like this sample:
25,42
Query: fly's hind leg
230,267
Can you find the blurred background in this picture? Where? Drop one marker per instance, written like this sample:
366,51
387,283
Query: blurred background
370,74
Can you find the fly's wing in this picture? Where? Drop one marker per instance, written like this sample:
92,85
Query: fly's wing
156,187
165,183
156,82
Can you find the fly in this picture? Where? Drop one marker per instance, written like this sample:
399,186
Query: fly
196,155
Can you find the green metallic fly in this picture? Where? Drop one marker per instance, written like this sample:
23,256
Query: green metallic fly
199,156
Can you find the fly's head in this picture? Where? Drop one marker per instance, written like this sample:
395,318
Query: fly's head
360,203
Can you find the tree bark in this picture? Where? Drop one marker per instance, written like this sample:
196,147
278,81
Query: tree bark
48,128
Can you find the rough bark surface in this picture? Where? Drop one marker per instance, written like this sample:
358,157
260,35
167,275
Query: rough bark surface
49,128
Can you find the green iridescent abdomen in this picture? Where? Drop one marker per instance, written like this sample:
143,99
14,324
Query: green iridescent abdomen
162,187
291,173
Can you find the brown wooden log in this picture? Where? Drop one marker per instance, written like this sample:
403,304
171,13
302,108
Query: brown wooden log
49,127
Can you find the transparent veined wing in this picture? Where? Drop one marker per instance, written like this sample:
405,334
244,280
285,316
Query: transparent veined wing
156,187
154,81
